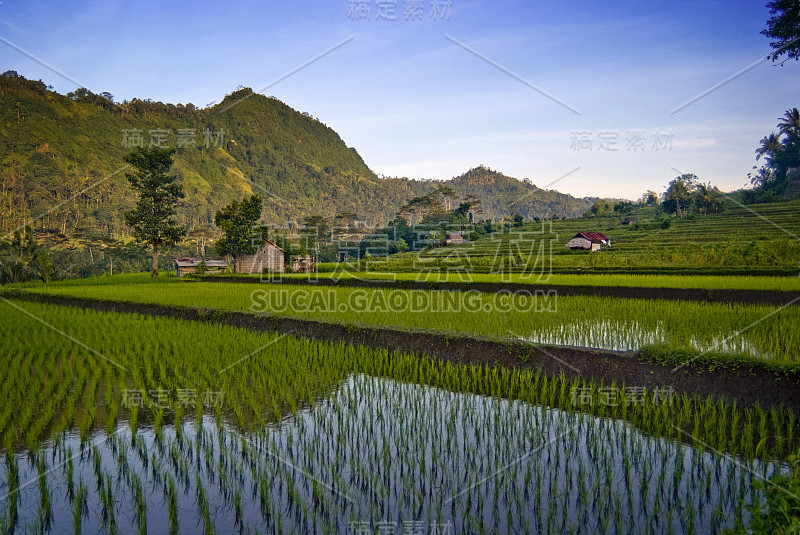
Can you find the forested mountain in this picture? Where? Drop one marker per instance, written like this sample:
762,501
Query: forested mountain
502,195
61,161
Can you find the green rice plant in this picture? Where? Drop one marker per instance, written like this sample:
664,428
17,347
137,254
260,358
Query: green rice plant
386,427
780,512
79,506
12,466
140,504
758,332
705,282
173,508
202,503
44,492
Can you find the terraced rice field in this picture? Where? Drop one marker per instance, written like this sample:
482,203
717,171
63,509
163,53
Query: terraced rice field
750,331
118,423
743,236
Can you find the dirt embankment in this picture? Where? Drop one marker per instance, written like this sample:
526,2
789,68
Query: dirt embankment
760,297
746,385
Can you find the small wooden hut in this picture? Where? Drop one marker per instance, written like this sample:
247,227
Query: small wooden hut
454,239
269,257
186,265
588,240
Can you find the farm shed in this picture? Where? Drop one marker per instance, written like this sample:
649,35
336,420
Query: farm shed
302,264
454,239
588,240
186,265
269,257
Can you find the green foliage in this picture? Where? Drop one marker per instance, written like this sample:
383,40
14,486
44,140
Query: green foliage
778,177
238,222
679,192
780,512
153,220
69,145
22,260
501,195
68,148
624,207
783,27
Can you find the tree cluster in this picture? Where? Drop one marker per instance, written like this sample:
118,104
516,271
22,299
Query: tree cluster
781,156
686,192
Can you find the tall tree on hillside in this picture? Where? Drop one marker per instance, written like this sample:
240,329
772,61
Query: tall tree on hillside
238,221
649,198
345,219
153,219
319,224
201,236
409,210
448,194
600,208
679,191
474,206
707,198
783,27
419,207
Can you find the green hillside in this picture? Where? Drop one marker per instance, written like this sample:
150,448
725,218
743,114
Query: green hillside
57,148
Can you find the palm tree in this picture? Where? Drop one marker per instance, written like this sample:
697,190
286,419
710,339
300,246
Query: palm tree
707,198
764,176
19,258
770,147
789,124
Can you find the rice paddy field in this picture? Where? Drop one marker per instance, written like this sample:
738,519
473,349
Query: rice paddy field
705,282
761,332
747,237
120,423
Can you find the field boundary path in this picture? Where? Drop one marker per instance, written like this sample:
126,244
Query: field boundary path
755,297
746,384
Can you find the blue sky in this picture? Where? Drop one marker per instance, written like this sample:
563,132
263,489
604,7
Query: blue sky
414,98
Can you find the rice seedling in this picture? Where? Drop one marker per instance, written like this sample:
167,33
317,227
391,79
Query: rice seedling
173,508
79,506
383,434
705,282
44,492
140,504
756,331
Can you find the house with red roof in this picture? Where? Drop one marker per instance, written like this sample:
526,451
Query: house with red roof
588,240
